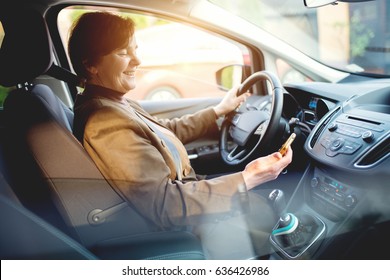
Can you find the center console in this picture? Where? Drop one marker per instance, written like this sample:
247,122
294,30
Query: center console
304,240
340,199
294,235
330,197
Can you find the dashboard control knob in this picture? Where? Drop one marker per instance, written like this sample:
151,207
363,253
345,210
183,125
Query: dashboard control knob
337,144
332,127
350,200
314,182
368,136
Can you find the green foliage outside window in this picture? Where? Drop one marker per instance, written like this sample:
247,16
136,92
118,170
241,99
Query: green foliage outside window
3,94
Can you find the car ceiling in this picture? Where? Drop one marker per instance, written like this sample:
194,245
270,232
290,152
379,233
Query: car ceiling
177,7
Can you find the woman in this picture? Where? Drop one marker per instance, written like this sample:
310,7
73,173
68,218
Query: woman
143,157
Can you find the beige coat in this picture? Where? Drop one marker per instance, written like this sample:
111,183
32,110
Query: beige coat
141,167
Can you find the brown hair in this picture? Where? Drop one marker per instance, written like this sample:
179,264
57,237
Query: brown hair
95,34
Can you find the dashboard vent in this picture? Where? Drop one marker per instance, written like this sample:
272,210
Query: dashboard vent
321,127
378,153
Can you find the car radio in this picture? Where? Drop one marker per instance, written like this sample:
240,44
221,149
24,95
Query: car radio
343,140
351,134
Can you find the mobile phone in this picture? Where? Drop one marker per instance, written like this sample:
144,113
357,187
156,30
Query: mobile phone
283,149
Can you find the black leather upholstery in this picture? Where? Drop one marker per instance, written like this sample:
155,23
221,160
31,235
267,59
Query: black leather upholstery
26,236
58,110
25,52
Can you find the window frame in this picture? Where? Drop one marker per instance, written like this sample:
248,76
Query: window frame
256,56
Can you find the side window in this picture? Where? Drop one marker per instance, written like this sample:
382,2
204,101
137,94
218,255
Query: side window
3,90
177,60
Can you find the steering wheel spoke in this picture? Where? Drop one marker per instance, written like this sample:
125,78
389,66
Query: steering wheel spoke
236,153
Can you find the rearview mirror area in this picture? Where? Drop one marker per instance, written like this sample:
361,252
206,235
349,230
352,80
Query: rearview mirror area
317,3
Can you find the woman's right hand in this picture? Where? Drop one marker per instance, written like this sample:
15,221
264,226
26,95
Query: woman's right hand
266,168
230,102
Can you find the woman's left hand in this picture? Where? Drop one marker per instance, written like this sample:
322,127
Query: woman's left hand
230,102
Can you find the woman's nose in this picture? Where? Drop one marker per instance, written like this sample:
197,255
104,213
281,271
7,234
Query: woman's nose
135,60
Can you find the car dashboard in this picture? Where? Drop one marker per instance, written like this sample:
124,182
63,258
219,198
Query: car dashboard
342,200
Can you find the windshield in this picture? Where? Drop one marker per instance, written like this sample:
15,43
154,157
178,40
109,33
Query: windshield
353,37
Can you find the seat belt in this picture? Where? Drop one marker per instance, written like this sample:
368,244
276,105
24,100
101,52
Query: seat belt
171,147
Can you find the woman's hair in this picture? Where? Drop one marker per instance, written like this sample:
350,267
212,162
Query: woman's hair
95,34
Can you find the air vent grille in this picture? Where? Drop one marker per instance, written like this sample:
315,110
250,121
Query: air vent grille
321,127
378,153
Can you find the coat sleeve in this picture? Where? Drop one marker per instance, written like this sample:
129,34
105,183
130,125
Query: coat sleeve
192,126
131,160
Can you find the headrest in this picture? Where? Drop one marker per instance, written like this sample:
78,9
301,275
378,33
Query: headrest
26,51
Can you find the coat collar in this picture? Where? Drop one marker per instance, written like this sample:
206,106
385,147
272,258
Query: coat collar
93,91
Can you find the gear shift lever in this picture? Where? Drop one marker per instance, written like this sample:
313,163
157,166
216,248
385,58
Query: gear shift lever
279,204
288,222
292,236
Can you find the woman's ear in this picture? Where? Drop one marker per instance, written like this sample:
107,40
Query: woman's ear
92,70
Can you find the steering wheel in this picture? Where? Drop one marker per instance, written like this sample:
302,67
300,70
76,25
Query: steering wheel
252,125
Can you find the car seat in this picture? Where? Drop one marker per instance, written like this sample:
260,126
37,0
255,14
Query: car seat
49,170
24,235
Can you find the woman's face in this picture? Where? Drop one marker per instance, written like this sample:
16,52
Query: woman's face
117,69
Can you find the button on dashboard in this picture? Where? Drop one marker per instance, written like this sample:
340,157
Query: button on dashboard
368,136
350,147
326,142
337,144
332,127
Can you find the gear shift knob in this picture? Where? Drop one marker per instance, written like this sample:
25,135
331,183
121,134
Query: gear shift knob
278,202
